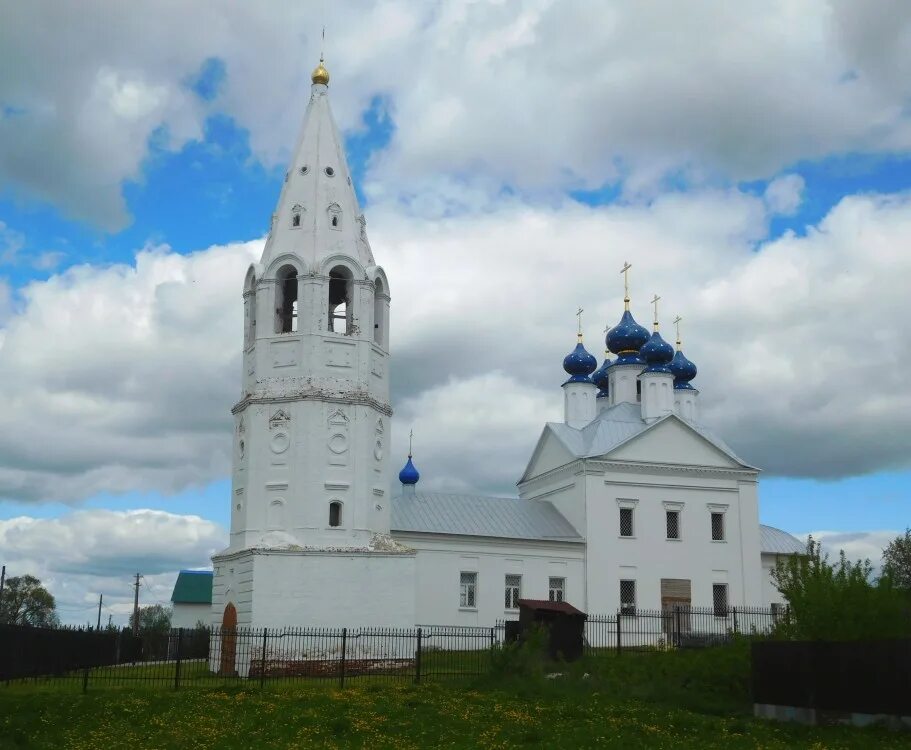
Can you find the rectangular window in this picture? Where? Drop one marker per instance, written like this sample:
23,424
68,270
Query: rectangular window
673,524
557,588
513,591
468,587
717,527
720,599
626,521
627,597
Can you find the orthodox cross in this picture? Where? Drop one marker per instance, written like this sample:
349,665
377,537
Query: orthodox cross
410,439
655,303
579,316
625,272
677,325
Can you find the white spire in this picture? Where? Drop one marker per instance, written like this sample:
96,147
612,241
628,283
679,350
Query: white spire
318,214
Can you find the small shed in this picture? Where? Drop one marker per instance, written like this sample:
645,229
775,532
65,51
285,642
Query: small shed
192,599
564,623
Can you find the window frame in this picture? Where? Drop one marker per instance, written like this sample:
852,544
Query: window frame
632,523
468,590
560,589
511,603
668,512
333,504
628,609
725,610
722,537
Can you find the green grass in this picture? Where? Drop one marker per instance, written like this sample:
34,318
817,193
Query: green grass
672,700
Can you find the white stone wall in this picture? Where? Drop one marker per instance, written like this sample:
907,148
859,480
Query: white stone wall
187,615
442,558
770,593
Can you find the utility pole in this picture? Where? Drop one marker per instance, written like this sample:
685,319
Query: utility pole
2,581
136,606
100,599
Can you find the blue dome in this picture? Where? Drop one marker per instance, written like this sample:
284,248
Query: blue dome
684,371
626,339
579,364
409,475
657,354
600,378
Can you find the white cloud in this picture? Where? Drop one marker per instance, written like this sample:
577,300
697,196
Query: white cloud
784,194
857,545
90,552
11,242
537,95
122,378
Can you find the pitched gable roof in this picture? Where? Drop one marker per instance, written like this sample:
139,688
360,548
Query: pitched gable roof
193,587
476,515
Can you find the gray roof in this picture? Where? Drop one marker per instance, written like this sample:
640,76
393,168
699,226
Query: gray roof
778,542
618,424
477,515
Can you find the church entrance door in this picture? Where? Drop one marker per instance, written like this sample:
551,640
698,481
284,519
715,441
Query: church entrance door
228,642
675,606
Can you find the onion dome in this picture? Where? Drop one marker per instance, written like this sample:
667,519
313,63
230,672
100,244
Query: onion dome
657,353
684,371
579,364
320,74
626,339
409,474
600,377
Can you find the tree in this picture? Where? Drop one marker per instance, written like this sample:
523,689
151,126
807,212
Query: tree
27,602
155,618
897,561
839,601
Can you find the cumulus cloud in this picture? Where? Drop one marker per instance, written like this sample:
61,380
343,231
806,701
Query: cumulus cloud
784,194
537,95
857,545
121,378
90,552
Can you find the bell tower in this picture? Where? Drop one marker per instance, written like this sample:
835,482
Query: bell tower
312,425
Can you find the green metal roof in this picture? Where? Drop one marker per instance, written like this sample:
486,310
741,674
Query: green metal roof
193,587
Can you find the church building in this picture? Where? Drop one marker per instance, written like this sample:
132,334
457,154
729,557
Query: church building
629,502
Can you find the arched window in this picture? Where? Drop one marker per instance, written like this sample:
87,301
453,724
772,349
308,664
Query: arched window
297,216
286,300
379,325
340,296
334,213
335,513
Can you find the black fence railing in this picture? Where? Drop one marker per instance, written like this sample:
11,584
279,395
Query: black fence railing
203,656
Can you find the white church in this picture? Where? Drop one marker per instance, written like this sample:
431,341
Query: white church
629,502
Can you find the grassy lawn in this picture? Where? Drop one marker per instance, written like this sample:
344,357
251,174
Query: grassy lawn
678,700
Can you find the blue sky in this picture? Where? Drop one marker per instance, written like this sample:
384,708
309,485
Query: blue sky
777,231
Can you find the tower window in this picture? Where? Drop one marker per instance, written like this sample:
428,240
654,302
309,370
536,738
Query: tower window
335,513
286,300
334,213
329,171
340,287
335,221
296,216
379,328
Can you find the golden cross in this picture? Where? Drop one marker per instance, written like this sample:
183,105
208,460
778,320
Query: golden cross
606,331
655,303
677,324
625,272
579,316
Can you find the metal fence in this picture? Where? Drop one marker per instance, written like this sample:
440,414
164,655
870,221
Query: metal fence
187,657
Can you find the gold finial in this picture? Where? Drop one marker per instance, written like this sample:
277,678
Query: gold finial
625,272
320,74
655,303
677,324
579,316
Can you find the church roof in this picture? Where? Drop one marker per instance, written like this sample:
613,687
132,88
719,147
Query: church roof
193,587
777,542
620,423
478,515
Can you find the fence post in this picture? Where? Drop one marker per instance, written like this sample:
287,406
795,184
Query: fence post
262,661
734,609
177,663
344,644
677,639
417,660
619,644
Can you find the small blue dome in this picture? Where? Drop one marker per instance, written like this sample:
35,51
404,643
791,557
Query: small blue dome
579,364
684,371
409,475
600,378
626,339
657,354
